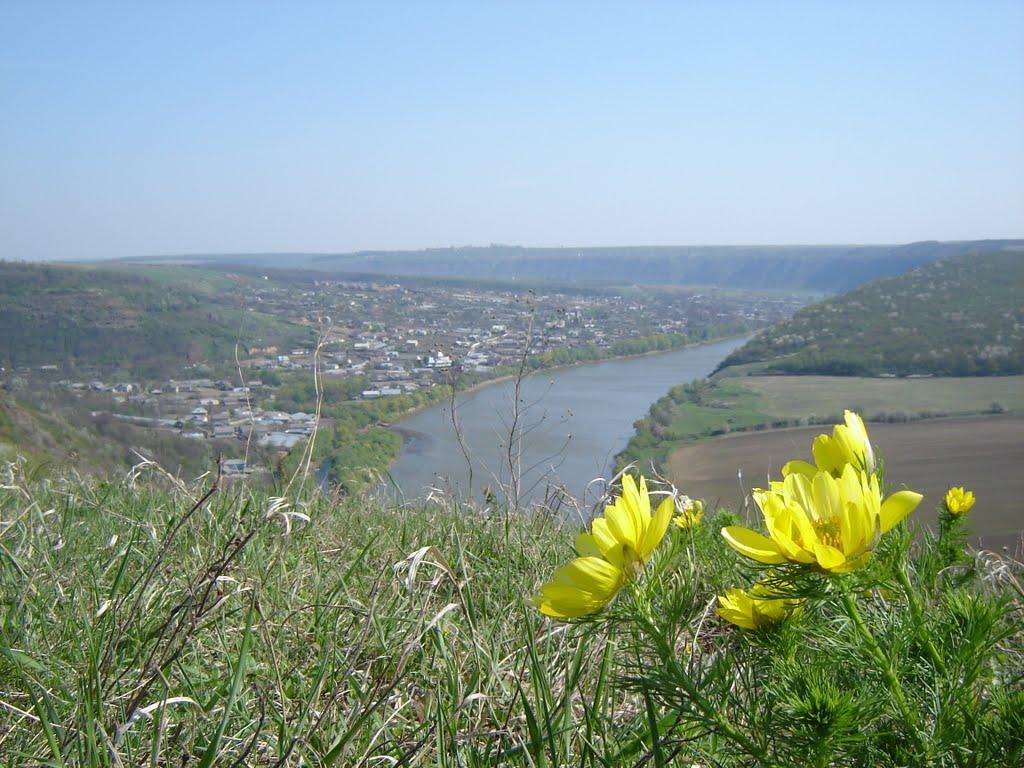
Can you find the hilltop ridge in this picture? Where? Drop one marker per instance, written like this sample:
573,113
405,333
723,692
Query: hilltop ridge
820,268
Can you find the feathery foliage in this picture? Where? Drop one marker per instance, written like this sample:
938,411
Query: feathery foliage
146,623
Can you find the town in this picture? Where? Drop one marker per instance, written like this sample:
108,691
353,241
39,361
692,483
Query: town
395,336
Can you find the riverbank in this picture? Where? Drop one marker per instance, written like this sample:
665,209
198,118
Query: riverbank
505,377
581,415
354,467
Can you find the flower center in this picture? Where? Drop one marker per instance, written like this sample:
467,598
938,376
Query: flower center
631,562
829,532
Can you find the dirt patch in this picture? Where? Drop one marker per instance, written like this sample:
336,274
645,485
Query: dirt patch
984,453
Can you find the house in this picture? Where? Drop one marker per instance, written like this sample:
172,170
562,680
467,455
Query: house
280,440
439,362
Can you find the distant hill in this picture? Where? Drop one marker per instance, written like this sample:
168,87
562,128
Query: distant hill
826,268
961,316
153,319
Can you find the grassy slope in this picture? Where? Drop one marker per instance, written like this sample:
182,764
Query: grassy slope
960,316
45,441
149,320
55,436
327,644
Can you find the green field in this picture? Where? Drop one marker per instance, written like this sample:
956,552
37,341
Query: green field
788,396
728,404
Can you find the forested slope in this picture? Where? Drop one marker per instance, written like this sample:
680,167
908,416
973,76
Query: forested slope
152,319
961,316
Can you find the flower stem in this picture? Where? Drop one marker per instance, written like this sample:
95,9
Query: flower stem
884,664
918,614
710,713
722,723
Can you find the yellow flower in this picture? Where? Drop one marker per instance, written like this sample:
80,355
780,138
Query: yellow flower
829,523
755,608
848,444
693,512
959,501
611,555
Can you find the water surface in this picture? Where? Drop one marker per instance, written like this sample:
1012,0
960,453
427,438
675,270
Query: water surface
573,420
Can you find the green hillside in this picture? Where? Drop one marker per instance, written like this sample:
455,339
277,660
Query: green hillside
962,316
149,319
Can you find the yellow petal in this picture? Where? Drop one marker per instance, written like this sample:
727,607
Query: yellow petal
753,545
851,518
798,467
656,530
896,507
761,498
779,520
808,536
853,563
630,501
799,489
602,536
828,454
828,557
645,500
826,497
587,546
736,607
590,574
738,617
859,434
611,549
622,523
562,602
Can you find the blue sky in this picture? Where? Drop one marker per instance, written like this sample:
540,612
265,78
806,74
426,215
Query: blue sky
144,128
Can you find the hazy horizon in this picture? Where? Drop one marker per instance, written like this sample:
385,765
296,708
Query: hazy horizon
221,128
468,246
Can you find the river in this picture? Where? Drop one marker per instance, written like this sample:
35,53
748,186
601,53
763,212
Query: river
574,420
